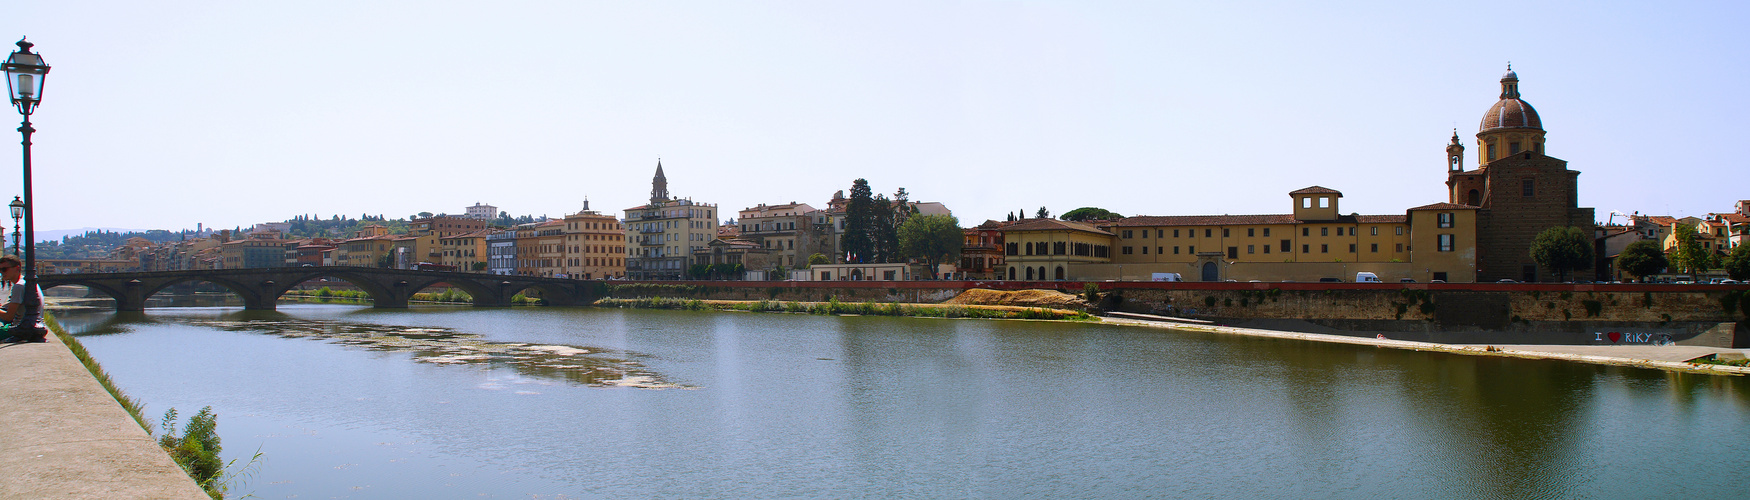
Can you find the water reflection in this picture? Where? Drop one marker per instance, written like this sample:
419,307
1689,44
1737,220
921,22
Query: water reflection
585,365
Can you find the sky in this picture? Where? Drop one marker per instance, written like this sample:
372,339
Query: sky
165,114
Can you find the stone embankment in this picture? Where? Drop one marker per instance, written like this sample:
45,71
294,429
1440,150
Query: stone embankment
65,437
1460,313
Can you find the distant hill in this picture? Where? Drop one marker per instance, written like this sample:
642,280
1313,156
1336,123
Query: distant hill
56,234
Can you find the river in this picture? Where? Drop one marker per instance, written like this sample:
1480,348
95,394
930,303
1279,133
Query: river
345,401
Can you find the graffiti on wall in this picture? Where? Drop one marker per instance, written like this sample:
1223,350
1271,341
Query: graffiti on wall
1632,338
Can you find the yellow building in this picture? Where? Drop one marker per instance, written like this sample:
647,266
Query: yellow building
1314,242
1051,249
595,245
464,251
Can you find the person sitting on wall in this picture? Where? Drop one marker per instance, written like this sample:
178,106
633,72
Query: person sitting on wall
11,271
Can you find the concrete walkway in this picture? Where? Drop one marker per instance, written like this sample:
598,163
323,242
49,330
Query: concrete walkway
63,436
1670,357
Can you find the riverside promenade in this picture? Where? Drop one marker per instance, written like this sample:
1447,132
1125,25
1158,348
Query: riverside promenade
64,436
1667,357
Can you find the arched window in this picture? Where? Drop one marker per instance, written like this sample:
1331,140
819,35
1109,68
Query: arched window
1059,275
1029,274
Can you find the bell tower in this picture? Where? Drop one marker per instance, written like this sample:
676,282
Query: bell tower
1455,154
658,185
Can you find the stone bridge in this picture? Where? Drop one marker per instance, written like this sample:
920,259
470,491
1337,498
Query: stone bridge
388,288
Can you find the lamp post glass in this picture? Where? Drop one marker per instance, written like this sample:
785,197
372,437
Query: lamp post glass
25,73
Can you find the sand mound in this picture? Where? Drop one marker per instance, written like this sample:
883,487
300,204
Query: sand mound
1022,298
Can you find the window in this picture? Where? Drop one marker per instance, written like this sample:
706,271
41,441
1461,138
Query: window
1400,230
1324,231
1158,250
1306,202
1324,202
1375,230
1323,248
1125,251
1285,246
1512,148
1400,248
1145,250
1266,248
1306,249
1175,233
1251,232
1233,252
1224,232
1266,232
1440,276
1445,242
1175,250
1160,233
1191,249
1059,248
1208,233
1528,187
1375,248
1351,248
1306,231
1250,249
1127,234
1491,152
1444,219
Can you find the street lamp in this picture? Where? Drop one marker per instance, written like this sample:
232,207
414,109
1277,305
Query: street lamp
17,213
25,73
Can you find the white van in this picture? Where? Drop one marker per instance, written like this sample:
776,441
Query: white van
1367,277
1166,277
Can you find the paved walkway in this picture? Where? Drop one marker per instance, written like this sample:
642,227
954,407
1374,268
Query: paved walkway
63,436
1670,357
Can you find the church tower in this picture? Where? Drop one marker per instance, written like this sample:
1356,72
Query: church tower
658,186
1519,190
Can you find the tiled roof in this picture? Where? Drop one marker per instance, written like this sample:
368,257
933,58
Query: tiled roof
1316,190
1241,220
1053,225
1445,206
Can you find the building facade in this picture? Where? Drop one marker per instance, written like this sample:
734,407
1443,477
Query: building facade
595,245
662,235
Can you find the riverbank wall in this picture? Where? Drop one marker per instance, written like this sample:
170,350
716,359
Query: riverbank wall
1453,313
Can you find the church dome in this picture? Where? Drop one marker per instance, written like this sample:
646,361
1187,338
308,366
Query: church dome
1511,113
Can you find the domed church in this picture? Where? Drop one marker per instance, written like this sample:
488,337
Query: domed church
1520,190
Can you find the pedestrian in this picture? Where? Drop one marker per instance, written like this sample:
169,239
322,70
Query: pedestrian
13,313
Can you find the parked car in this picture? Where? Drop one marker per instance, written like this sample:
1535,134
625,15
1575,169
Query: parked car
1505,280
1330,280
1367,277
1406,280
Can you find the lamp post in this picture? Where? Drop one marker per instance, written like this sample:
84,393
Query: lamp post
25,73
17,213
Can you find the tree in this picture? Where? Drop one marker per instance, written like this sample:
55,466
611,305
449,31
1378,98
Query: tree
698,271
1641,259
425,215
1562,249
1090,213
479,266
856,242
884,230
1042,213
1738,263
818,259
1011,217
1690,257
933,238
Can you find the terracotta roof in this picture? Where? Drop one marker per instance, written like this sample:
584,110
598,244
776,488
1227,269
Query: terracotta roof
1316,190
1053,225
1510,113
1445,206
1241,220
